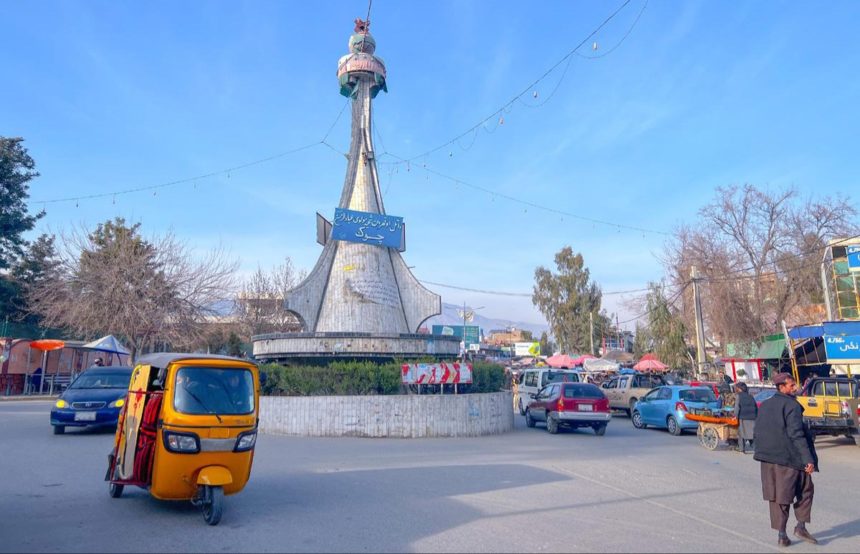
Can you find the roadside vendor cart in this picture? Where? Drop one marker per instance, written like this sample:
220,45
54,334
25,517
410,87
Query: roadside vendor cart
715,430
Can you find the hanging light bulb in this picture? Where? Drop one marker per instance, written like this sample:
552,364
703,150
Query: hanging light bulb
501,120
535,94
594,45
450,154
114,199
76,203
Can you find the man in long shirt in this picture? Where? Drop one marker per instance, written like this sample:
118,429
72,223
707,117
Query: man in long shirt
788,459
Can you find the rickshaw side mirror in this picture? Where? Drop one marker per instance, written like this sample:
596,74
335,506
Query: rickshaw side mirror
263,378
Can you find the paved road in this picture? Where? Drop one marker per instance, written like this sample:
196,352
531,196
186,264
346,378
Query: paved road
630,490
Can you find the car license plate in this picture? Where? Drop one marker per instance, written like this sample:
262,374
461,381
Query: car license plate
586,408
85,416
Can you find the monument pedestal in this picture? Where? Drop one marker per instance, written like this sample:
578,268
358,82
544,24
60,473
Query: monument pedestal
281,347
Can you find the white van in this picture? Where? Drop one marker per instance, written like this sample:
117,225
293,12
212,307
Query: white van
533,379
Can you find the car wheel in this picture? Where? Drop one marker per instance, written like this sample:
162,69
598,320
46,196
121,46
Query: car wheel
530,421
552,424
59,429
672,426
600,429
637,420
522,409
213,504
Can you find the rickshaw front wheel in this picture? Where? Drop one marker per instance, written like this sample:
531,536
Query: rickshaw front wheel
116,490
213,504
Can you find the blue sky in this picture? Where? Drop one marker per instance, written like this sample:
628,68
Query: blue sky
116,95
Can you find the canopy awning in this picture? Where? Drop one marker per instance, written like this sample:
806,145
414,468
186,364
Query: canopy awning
771,349
107,344
600,364
806,332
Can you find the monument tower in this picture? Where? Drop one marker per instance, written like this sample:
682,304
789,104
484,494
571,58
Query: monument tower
360,299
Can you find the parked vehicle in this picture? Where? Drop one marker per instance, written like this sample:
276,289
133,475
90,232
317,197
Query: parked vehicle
532,380
570,405
666,407
831,406
188,430
95,399
623,391
763,395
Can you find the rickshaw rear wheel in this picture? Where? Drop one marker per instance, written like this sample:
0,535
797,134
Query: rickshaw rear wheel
116,490
213,504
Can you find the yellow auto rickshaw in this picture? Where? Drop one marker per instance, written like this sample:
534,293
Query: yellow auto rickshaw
187,430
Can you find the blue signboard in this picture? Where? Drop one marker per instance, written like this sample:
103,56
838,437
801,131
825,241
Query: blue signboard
842,348
853,253
367,228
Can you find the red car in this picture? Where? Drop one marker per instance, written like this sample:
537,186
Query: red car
570,405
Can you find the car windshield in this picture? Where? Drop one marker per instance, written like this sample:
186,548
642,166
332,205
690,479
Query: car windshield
699,394
560,377
582,391
102,380
206,390
764,395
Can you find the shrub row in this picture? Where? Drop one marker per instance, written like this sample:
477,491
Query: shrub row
362,378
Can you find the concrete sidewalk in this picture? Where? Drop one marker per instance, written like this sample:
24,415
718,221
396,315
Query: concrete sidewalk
43,397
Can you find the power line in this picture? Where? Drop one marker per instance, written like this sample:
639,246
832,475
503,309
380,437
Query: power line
668,303
519,294
788,257
620,42
530,87
536,205
226,171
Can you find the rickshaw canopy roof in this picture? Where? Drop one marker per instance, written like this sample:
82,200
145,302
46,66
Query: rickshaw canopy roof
164,359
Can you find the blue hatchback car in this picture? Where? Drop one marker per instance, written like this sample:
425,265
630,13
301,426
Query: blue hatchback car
95,398
666,407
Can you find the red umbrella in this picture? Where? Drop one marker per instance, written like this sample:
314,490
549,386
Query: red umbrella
581,359
47,344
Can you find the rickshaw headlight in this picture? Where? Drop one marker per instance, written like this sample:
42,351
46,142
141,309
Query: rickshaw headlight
117,403
246,441
183,443
61,404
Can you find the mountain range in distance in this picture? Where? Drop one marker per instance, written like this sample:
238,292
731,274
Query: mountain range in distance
451,316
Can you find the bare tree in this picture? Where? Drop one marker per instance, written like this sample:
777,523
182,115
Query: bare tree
260,304
112,280
758,251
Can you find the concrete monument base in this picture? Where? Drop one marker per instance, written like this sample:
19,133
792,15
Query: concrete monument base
276,347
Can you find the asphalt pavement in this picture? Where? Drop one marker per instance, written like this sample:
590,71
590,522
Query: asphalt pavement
525,491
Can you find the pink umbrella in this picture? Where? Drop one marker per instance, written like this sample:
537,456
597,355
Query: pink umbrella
651,364
561,360
581,359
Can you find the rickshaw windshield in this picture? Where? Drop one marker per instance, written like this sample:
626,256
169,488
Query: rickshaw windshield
207,390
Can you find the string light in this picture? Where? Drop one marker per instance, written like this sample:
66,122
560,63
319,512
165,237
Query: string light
530,88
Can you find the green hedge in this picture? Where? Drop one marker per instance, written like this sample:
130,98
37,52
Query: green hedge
362,378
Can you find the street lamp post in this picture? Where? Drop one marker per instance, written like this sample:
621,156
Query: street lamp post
465,345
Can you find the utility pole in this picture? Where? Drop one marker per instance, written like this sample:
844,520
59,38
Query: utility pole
591,331
700,324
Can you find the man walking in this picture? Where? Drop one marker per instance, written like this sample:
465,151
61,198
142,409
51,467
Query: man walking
787,454
746,413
